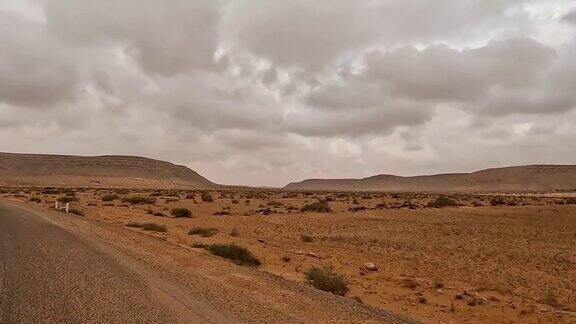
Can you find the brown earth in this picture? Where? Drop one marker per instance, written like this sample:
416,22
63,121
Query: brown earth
473,257
516,178
56,268
96,171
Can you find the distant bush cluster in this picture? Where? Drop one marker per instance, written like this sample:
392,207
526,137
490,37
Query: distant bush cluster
206,197
441,202
497,201
110,197
321,206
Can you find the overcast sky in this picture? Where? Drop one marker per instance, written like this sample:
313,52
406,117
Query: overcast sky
262,92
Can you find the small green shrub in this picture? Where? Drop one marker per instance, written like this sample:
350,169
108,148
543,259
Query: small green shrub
181,212
203,231
233,252
206,197
441,202
326,279
110,197
319,207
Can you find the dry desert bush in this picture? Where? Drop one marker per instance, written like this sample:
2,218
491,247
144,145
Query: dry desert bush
203,231
324,278
148,226
321,206
237,254
181,213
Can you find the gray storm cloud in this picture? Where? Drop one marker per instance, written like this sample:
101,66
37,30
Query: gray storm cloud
503,77
165,37
266,92
35,69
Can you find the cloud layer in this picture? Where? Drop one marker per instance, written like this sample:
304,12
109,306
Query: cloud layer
268,92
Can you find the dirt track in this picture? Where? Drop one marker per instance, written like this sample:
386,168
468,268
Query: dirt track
55,268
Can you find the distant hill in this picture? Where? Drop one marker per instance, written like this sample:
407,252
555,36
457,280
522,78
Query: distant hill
516,178
95,171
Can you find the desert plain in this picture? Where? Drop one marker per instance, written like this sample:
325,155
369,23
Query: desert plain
434,257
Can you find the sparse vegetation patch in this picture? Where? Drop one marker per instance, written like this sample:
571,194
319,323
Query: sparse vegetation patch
203,231
319,207
441,202
110,197
233,252
326,279
181,212
206,197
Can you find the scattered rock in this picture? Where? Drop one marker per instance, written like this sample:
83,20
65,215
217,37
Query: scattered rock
371,266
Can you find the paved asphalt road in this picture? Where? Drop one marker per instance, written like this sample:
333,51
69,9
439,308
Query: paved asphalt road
49,275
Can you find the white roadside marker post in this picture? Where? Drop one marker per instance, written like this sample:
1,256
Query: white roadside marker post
56,205
67,207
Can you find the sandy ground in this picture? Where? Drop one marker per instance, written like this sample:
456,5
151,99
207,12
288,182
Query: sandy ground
511,262
56,268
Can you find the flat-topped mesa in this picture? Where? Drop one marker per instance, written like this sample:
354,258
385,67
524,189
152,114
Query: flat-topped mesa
516,178
106,170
